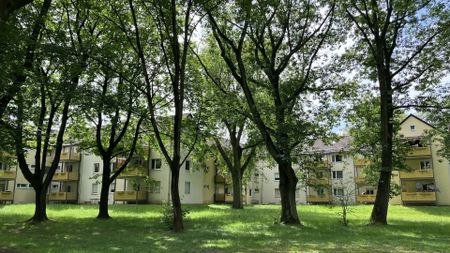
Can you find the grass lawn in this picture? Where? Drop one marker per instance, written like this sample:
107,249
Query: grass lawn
217,228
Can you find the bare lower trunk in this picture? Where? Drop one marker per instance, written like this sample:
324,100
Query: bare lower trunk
176,202
380,208
103,212
40,210
237,191
288,186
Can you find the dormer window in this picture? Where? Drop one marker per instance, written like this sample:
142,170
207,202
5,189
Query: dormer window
412,128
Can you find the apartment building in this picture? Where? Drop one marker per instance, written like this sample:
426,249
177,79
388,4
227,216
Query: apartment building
335,173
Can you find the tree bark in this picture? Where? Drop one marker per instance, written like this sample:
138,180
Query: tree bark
237,190
176,202
103,212
40,209
288,186
380,208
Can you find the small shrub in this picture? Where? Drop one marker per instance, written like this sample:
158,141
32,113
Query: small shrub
168,214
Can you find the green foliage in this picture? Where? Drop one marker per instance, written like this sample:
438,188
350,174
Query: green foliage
167,214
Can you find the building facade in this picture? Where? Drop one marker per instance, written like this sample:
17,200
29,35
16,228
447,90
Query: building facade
336,173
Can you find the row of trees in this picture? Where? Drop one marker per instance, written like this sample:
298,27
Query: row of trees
276,73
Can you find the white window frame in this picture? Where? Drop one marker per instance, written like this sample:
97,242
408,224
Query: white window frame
187,187
335,174
94,186
154,162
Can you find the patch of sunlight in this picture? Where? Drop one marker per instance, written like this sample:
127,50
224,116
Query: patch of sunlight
219,243
215,206
115,248
96,233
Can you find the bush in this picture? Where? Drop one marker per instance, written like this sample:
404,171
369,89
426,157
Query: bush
168,214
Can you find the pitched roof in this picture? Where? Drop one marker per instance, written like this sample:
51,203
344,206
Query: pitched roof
341,145
419,119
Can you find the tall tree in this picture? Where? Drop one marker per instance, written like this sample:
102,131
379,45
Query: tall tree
7,7
33,123
283,39
397,39
164,84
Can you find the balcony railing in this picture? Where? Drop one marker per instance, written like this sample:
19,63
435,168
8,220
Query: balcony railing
419,196
361,162
133,172
219,179
318,198
130,195
70,156
8,174
322,165
66,176
318,181
62,196
6,196
366,198
420,151
428,173
361,179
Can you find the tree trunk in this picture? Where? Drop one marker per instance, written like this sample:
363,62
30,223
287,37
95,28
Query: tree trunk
103,212
288,186
176,202
237,190
380,208
40,210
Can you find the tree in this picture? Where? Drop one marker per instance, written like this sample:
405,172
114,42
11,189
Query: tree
9,6
113,106
283,40
164,84
397,41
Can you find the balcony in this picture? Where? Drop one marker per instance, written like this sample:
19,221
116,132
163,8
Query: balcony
322,165
318,181
130,195
62,196
428,173
226,198
419,197
6,196
366,198
70,156
360,180
361,162
8,174
66,176
318,198
133,172
219,179
420,151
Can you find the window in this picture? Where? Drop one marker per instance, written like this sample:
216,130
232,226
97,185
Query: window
368,192
112,188
277,193
69,168
96,167
188,165
187,187
338,192
21,186
156,164
155,187
425,165
320,192
256,174
338,174
256,190
412,128
94,188
276,176
318,158
336,158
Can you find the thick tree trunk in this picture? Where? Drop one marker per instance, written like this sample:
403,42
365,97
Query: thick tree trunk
380,208
288,186
40,210
176,202
103,212
237,190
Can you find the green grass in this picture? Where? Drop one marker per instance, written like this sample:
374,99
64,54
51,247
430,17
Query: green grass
217,228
